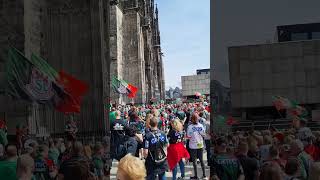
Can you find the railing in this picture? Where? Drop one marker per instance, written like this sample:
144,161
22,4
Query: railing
276,123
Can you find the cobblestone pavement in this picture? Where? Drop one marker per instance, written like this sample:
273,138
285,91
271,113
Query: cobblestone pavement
188,170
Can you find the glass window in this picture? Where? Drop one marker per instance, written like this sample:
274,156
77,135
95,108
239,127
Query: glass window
299,36
316,35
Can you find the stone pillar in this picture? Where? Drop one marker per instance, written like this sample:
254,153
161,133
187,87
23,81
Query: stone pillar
133,44
116,49
12,33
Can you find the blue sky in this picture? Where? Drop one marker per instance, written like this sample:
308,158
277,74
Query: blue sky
185,37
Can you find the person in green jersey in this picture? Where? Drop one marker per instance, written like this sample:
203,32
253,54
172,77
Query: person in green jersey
9,165
225,166
112,115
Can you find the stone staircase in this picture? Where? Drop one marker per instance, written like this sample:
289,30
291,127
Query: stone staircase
264,124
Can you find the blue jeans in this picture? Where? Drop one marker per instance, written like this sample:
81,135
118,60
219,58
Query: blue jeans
153,176
175,170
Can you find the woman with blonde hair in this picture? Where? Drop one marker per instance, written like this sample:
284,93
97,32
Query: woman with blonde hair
176,150
25,166
314,171
271,171
131,168
148,117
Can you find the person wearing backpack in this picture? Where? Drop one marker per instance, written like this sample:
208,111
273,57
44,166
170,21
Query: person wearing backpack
156,159
77,166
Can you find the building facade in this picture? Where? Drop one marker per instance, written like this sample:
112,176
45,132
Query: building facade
136,55
196,83
298,32
72,35
289,69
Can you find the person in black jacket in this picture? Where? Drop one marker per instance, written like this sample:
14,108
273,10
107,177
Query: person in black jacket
131,141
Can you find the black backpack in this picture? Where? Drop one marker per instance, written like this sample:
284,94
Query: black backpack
157,154
121,148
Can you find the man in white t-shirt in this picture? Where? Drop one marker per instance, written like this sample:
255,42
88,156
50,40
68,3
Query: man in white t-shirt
196,133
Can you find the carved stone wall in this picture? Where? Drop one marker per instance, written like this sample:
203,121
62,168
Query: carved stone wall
72,35
138,40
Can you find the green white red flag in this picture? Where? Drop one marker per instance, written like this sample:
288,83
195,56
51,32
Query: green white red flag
122,87
34,80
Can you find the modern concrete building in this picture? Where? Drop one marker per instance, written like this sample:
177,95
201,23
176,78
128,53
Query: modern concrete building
220,98
136,55
257,72
196,83
298,32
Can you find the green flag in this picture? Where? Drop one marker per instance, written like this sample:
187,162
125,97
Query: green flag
44,66
31,80
18,71
119,86
221,120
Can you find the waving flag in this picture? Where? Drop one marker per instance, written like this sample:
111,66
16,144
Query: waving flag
231,121
35,80
122,87
132,91
119,86
75,89
221,120
281,103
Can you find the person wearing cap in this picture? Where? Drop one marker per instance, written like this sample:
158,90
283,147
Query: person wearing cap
225,166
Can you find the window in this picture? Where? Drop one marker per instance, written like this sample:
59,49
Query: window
299,36
316,35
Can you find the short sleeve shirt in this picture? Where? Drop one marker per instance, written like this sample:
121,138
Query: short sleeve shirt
150,140
226,167
196,133
175,136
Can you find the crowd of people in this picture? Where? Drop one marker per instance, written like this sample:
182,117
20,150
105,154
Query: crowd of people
52,159
292,154
148,141
163,136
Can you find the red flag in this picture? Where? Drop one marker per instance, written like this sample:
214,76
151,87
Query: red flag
231,121
133,91
69,105
278,105
74,89
72,85
2,124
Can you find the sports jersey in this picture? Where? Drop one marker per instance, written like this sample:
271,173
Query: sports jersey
226,167
196,133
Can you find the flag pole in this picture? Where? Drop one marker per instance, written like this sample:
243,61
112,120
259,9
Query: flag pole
270,122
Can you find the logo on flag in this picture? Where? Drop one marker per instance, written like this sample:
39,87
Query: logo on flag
40,87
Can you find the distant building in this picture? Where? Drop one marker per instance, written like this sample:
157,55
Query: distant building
203,71
173,93
196,83
298,32
290,69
